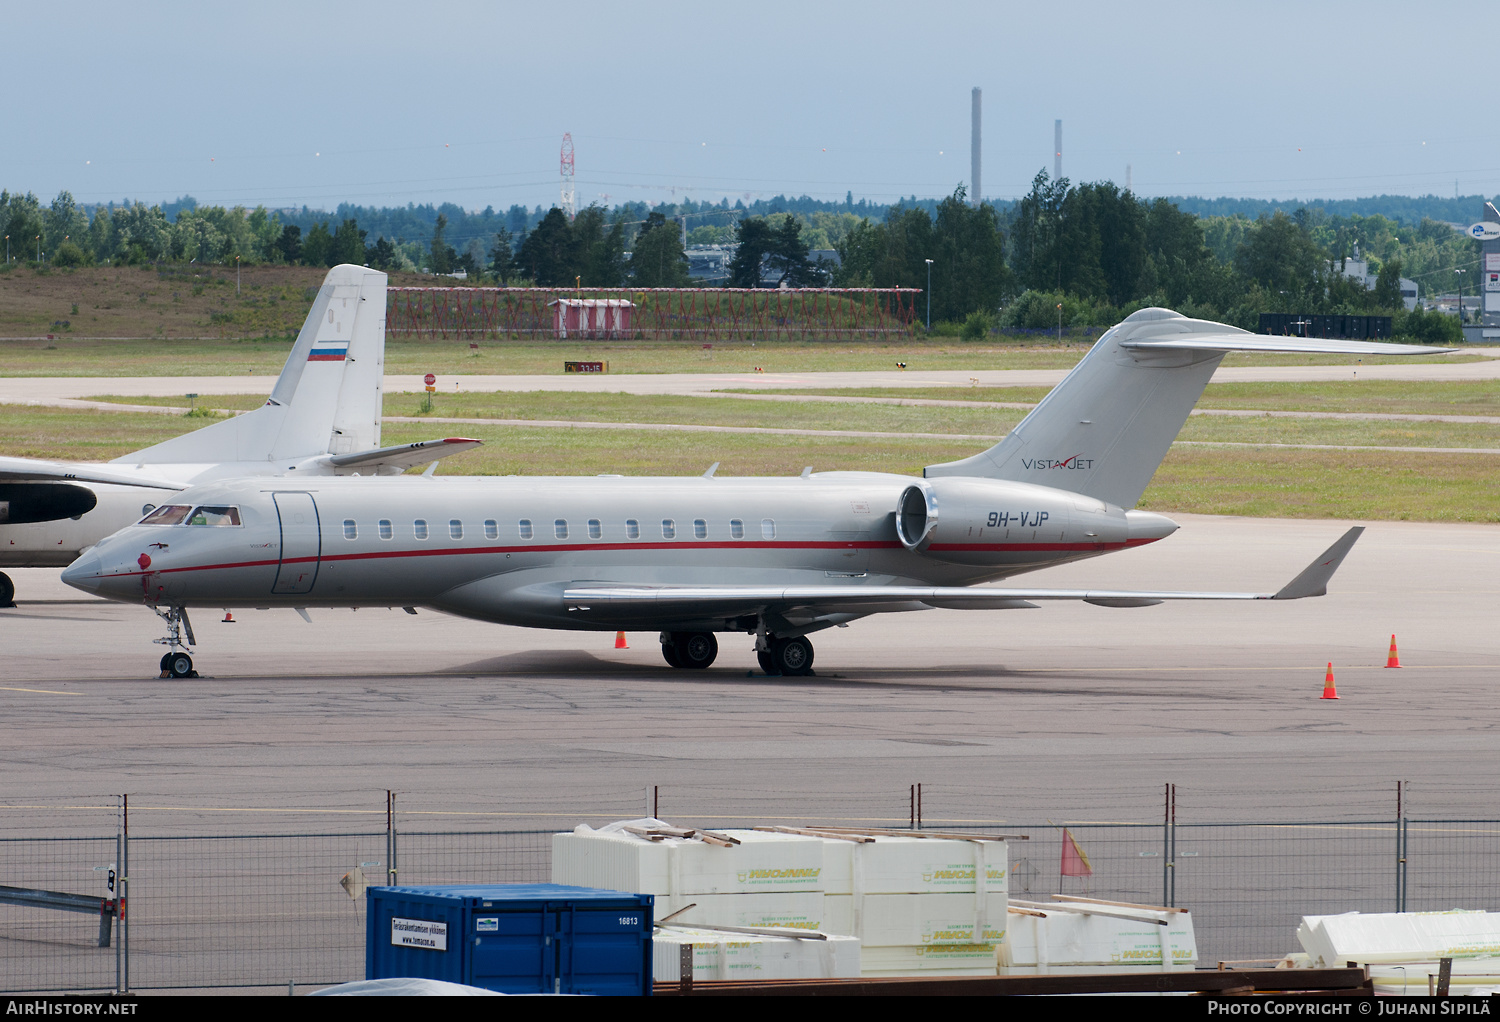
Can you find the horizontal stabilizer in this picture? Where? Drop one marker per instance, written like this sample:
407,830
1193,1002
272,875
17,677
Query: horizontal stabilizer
1265,342
402,456
30,470
1314,578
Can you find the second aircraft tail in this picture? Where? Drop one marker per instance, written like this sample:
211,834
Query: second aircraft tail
327,399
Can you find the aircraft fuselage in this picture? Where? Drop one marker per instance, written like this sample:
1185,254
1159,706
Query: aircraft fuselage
503,549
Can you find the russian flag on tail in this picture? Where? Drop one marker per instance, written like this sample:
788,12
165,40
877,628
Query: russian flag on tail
328,351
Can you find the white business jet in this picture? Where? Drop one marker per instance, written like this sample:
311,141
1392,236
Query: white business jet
778,559
323,418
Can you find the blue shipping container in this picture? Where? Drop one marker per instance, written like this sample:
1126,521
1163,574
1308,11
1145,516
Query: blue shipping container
514,938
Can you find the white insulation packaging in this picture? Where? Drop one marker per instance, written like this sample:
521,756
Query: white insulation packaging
718,955
1393,937
1099,939
915,905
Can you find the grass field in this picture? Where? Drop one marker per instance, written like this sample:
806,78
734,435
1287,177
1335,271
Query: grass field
708,411
1386,397
170,302
1269,482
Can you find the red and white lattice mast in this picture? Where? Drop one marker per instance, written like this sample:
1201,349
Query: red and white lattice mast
569,196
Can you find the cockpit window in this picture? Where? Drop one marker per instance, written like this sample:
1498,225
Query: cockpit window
217,517
168,514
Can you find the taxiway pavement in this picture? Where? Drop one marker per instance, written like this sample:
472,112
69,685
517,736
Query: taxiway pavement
1066,712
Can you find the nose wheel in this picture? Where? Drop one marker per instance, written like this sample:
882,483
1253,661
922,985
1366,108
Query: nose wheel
176,663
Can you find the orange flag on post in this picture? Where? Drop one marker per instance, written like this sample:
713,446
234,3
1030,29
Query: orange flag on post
1074,862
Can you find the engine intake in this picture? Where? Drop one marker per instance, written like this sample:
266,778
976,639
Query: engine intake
916,515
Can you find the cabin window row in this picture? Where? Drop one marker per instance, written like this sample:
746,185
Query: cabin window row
526,529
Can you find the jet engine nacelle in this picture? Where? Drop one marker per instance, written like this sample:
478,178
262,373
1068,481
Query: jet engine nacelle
24,503
966,520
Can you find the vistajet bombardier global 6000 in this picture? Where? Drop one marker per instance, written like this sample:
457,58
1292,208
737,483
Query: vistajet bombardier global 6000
323,418
777,559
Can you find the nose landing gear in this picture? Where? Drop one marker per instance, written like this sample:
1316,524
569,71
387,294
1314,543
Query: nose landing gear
176,663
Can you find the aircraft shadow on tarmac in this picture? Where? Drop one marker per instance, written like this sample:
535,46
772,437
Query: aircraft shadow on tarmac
989,677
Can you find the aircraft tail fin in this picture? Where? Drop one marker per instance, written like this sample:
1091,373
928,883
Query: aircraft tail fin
1105,428
327,399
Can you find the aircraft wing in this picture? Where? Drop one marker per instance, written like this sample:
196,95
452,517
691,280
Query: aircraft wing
402,456
728,601
1270,342
33,470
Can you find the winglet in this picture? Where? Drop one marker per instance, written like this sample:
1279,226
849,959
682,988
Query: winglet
1314,578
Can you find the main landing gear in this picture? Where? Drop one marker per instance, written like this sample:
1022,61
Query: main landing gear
691,650
790,657
176,663
7,591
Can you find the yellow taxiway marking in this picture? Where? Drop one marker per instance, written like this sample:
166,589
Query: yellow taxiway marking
43,691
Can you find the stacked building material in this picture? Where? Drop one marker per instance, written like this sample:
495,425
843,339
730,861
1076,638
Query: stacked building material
1404,949
930,905
731,878
1071,934
918,903
753,956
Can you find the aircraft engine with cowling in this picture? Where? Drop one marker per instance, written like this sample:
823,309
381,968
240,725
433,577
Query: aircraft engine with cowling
995,523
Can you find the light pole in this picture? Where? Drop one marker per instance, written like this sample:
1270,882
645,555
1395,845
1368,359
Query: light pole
38,248
1059,324
236,276
929,295
1460,285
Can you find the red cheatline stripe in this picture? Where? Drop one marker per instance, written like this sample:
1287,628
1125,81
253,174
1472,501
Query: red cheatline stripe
590,546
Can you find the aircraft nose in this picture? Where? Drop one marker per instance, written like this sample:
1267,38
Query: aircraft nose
84,573
1147,526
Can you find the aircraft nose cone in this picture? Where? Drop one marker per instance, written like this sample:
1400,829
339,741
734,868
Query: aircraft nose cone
1147,526
84,573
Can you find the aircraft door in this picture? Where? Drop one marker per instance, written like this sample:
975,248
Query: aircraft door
301,543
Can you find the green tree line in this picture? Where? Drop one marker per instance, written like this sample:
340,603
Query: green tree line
1081,255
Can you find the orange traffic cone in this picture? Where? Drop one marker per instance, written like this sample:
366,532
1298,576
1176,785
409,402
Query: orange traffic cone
229,620
1392,660
620,641
1329,692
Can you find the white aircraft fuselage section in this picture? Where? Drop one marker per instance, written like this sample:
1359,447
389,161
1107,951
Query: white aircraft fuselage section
504,549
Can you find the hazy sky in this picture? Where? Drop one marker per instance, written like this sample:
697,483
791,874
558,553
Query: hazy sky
384,103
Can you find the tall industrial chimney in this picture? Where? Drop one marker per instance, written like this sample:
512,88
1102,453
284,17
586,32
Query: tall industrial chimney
975,151
1057,146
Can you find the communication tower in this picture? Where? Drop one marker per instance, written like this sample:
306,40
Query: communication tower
975,150
569,195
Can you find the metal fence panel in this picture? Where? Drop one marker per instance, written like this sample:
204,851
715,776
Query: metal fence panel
264,910
1452,864
43,949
